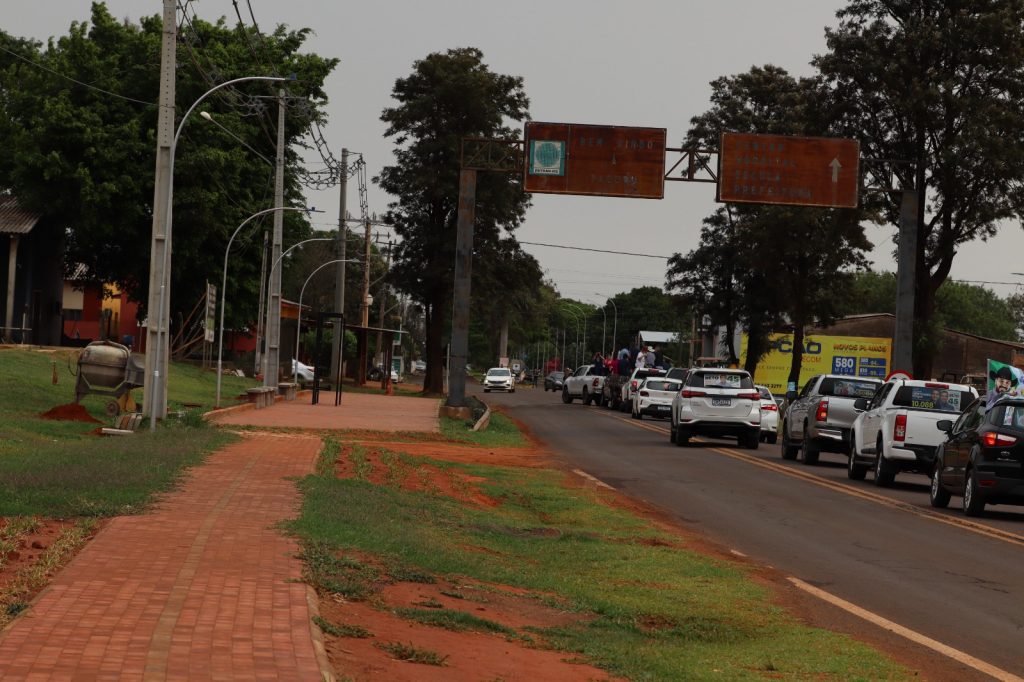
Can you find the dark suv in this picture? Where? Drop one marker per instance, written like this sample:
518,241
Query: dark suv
982,458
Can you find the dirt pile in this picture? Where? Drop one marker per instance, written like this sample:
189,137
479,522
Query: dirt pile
72,412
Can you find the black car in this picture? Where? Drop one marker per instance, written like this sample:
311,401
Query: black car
982,458
553,381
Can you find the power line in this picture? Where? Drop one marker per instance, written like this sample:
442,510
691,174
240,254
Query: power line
581,248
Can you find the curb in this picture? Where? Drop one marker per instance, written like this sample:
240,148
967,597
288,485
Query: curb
484,421
313,602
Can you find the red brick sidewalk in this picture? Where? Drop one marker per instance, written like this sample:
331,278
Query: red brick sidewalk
357,411
202,588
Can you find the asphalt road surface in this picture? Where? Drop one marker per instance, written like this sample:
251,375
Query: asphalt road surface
959,583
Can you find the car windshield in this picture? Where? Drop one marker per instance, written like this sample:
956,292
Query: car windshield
852,388
932,398
498,372
720,380
661,385
556,375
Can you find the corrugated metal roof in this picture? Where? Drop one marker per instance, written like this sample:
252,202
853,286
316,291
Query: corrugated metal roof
14,219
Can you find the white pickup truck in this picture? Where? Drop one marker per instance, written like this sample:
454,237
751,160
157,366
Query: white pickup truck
896,428
585,384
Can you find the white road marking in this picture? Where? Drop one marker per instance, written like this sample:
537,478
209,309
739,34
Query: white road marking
592,479
916,637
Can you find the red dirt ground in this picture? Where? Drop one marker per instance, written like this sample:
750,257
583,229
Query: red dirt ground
32,546
72,412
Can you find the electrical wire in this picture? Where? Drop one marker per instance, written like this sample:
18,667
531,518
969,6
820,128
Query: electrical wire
581,248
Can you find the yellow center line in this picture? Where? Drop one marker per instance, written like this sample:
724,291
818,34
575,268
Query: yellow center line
965,524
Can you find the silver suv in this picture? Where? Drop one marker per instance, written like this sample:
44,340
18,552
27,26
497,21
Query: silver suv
717,402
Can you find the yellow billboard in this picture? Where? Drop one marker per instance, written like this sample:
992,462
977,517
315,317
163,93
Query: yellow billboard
860,356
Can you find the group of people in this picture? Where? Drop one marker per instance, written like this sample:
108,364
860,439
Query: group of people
629,358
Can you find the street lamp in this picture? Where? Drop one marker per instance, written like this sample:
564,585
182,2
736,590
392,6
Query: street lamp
298,322
615,322
224,285
156,394
576,350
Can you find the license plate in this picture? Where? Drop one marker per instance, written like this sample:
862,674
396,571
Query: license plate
721,402
663,408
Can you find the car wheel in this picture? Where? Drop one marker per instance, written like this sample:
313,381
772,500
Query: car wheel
974,503
788,451
586,396
809,451
884,475
682,438
754,440
487,390
566,398
937,495
772,438
854,470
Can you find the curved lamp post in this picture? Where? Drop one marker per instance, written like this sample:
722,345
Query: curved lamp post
615,323
576,350
156,395
298,322
224,286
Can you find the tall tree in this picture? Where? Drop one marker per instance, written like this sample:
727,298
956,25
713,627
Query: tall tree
448,96
83,156
763,263
937,83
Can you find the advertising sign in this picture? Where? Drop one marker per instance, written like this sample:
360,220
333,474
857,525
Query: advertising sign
1003,380
858,356
784,169
611,161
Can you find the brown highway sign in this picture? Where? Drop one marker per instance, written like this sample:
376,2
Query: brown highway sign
613,161
783,169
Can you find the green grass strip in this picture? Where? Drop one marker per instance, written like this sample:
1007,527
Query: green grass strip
450,619
408,652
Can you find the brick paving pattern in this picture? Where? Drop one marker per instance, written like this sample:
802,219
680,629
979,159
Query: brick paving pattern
357,411
202,588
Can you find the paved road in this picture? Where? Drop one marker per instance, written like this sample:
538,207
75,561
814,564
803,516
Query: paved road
884,550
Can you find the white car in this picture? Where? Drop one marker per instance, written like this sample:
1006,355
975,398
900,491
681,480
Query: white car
419,366
304,374
499,379
717,402
769,416
654,397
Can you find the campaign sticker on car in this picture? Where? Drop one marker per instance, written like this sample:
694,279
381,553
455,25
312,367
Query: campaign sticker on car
721,402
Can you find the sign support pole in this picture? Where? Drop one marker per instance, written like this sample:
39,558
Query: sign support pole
903,338
460,303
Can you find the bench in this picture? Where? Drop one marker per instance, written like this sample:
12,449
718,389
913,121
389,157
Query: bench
288,389
261,396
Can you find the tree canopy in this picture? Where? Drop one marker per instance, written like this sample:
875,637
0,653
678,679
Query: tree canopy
449,95
84,156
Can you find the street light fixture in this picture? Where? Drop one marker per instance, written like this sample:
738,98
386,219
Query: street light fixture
224,285
156,395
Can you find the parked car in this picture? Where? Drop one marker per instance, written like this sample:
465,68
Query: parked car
628,388
304,374
982,458
654,397
820,418
769,415
895,430
418,366
553,381
499,379
717,402
586,384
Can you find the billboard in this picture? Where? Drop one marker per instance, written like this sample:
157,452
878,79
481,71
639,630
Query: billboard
611,161
859,356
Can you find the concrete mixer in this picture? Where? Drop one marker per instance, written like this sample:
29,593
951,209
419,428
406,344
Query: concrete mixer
110,369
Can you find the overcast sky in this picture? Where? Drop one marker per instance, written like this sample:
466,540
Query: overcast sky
583,61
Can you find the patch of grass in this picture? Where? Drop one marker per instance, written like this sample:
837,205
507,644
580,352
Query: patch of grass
429,604
453,594
357,455
501,433
30,579
649,610
450,619
328,458
342,630
345,576
13,532
408,652
402,573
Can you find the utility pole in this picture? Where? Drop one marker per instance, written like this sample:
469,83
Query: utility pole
461,288
364,306
383,298
339,287
259,308
155,402
903,352
272,361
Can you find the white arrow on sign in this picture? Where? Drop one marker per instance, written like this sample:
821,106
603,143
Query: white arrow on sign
835,166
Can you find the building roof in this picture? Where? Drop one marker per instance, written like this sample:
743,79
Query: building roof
14,219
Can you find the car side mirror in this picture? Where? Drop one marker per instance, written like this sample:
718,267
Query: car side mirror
944,425
860,404
790,396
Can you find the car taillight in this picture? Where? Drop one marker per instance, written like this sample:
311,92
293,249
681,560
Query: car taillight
596,382
899,429
749,396
770,407
822,413
693,394
632,385
644,394
992,439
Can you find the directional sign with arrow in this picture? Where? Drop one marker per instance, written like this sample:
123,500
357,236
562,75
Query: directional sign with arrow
780,169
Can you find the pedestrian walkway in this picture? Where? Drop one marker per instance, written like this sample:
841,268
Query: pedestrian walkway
202,588
369,411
